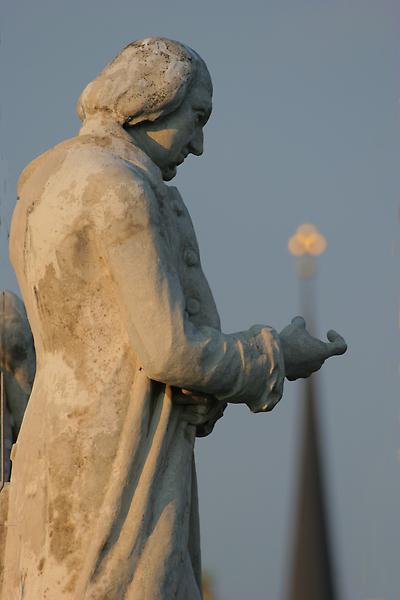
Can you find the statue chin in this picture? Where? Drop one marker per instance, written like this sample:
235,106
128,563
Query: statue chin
169,173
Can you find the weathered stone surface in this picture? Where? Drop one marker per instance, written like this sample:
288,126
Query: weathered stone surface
130,355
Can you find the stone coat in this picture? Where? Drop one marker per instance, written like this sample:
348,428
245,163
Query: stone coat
103,500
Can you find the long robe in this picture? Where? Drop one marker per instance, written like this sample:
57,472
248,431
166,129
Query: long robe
103,500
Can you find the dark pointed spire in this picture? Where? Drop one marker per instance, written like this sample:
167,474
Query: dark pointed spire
311,571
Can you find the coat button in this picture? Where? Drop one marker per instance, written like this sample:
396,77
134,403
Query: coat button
191,257
178,209
192,306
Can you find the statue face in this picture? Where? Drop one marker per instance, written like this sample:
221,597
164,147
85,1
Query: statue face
169,140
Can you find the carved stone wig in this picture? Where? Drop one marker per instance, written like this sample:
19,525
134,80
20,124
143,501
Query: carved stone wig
148,79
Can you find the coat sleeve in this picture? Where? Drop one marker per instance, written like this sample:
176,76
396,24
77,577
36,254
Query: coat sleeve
245,367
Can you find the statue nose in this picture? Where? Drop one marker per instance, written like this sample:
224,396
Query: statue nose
196,144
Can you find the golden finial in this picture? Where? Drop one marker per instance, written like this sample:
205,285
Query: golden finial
307,240
306,243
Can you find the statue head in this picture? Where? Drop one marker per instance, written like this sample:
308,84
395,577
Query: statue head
160,92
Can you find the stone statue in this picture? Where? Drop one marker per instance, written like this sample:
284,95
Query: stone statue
17,363
131,361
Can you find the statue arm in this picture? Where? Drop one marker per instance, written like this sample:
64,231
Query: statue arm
245,367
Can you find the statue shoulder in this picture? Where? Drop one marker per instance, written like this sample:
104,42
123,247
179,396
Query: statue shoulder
71,159
96,184
77,165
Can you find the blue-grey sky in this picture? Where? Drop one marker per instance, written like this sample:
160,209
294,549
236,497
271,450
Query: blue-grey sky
305,128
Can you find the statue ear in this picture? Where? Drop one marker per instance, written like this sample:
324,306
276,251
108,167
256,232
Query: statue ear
80,110
83,102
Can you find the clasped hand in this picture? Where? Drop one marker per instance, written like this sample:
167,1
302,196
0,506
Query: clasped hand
201,410
304,354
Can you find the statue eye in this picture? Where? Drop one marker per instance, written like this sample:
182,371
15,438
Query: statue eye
200,118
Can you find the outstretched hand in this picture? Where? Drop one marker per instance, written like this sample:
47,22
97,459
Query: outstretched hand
303,354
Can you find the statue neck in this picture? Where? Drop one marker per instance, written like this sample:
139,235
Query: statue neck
102,126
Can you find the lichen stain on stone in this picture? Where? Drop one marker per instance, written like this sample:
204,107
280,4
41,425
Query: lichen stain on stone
73,329
71,583
125,205
41,565
63,541
103,141
78,413
101,457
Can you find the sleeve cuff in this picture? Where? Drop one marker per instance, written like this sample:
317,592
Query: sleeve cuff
269,346
260,384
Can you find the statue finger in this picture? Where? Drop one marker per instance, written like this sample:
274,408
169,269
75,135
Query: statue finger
216,411
206,429
201,409
200,413
294,375
299,322
194,418
336,345
193,400
182,400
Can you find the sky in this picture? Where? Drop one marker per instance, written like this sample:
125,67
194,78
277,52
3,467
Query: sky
305,128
